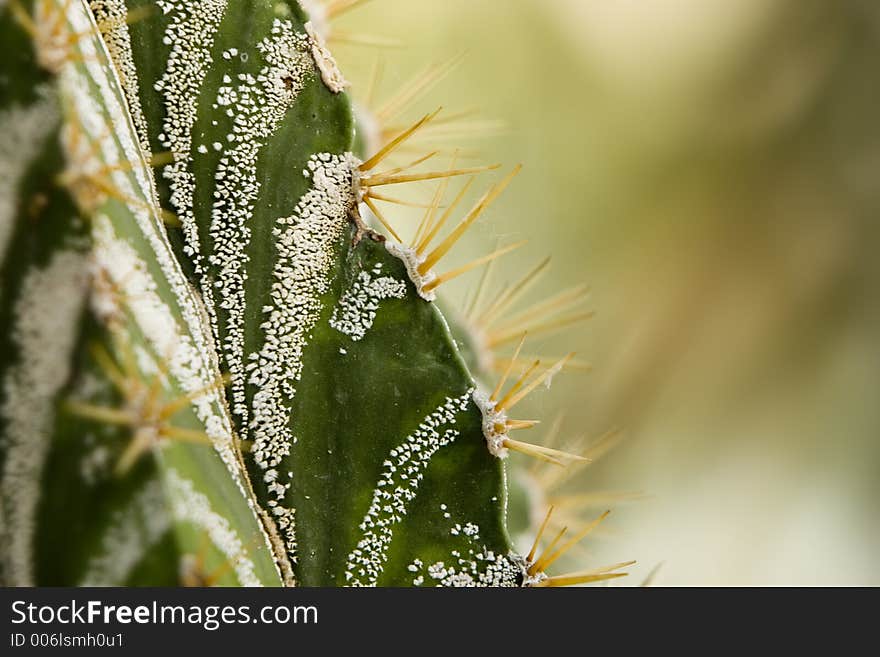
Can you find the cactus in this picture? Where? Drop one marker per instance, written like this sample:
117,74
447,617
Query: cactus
235,369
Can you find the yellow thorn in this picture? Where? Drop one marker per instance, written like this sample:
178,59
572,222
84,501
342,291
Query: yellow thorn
543,326
109,368
173,407
99,413
546,561
169,218
498,337
397,141
597,450
381,179
481,206
499,363
455,116
395,201
435,228
574,580
412,164
511,401
212,578
518,425
604,444
23,17
538,536
131,17
506,374
135,15
161,159
604,570
381,218
531,450
427,220
512,294
552,306
517,385
448,276
532,570
554,456
155,160
52,27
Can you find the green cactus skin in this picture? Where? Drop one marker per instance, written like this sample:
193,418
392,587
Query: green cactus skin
62,508
158,314
115,529
242,172
343,428
211,145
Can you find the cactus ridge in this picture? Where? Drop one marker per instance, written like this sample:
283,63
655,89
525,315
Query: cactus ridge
270,390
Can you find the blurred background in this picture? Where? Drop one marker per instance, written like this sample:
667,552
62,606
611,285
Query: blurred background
712,169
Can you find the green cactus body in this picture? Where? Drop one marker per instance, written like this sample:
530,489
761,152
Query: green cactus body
211,146
157,313
321,324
